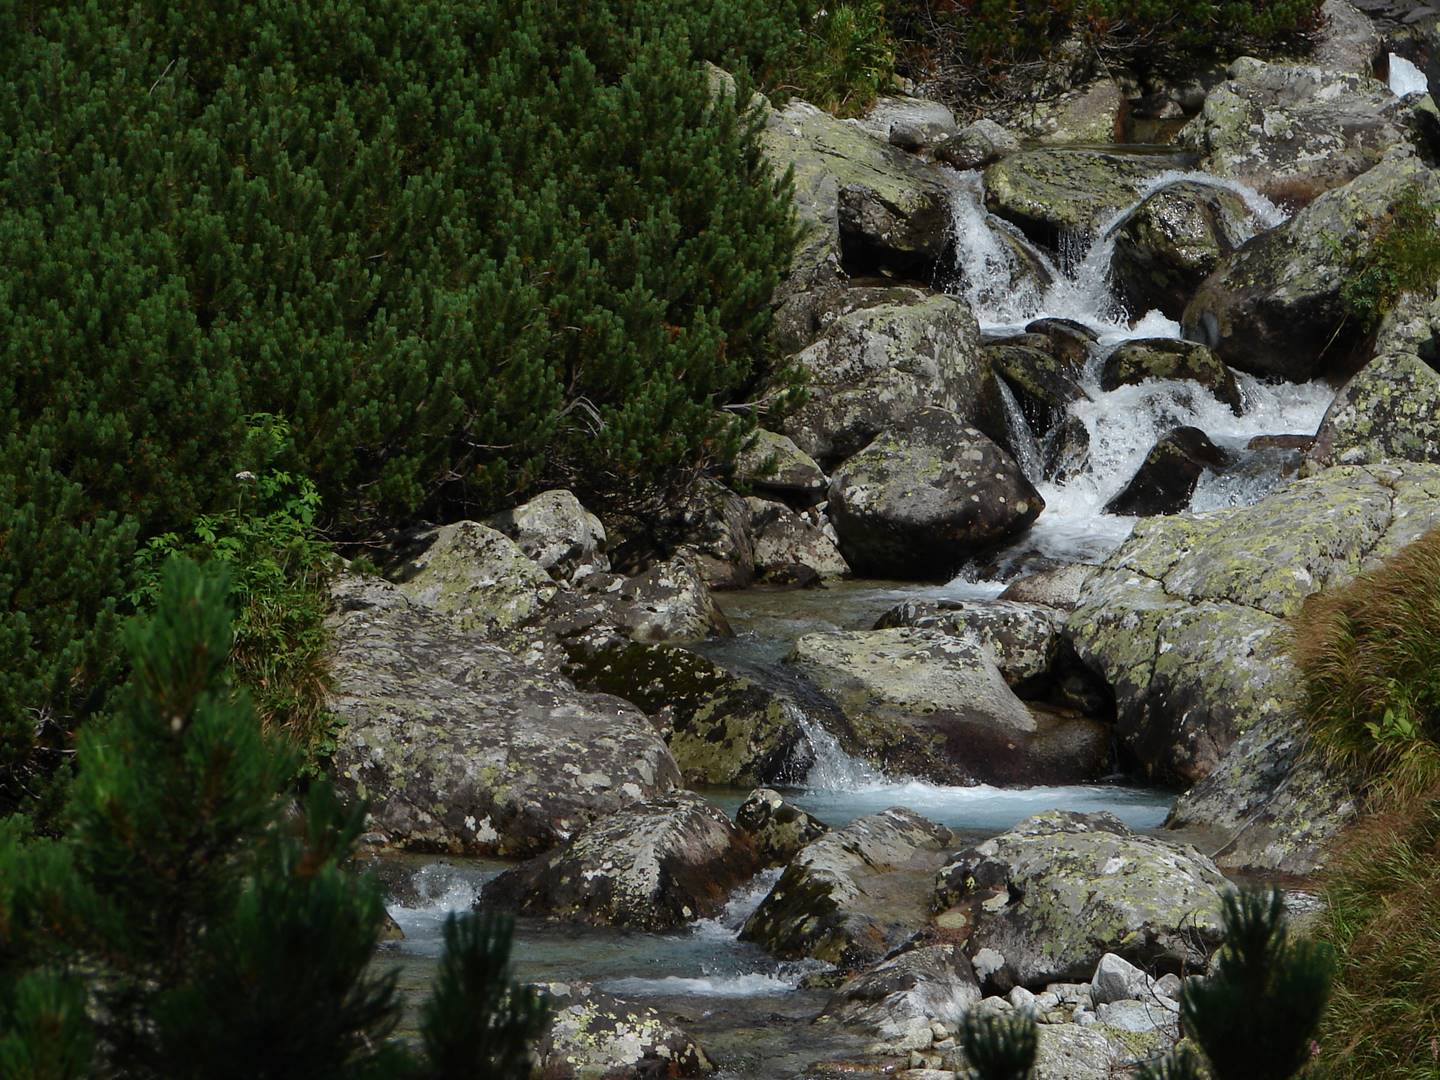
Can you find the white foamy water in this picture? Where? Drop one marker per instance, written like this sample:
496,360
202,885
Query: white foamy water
1406,78
834,770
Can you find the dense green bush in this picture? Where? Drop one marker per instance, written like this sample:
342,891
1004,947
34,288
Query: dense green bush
189,926
845,57
459,248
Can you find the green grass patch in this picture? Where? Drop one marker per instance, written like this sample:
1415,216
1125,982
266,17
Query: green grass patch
1405,258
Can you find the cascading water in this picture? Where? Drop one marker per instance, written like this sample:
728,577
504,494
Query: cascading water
1406,78
1120,425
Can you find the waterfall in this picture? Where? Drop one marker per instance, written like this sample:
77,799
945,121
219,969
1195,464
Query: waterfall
1023,446
834,769
1406,78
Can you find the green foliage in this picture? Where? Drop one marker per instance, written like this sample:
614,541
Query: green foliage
1256,1015
1404,258
1382,916
1370,657
999,1047
846,58
187,926
1182,1063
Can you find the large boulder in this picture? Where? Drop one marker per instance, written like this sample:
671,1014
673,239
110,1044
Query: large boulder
922,498
713,529
772,465
459,747
854,894
592,1035
655,866
899,999
564,538
910,123
1168,358
1187,621
670,602
788,546
1044,902
1024,640
722,728
876,367
1167,477
932,704
977,145
476,574
1045,381
1349,41
1275,306
1390,410
1173,241
1295,131
1050,193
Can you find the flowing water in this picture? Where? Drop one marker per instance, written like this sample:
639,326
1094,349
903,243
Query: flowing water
1406,78
750,1011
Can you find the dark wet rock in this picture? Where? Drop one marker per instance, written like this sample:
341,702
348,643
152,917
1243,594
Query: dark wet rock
1274,307
459,747
1045,385
1067,450
1294,131
553,529
900,999
594,1035
1048,193
784,540
877,367
1166,479
1047,900
722,728
923,497
654,866
1167,358
1187,622
778,830
931,704
1390,410
1300,443
855,893
773,466
1059,587
1070,341
1168,246
979,144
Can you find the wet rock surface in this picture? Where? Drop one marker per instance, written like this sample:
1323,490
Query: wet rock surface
459,747
1167,477
655,866
1133,362
1050,192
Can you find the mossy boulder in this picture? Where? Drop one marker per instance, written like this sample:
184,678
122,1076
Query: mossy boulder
977,145
593,1035
933,704
1173,241
877,366
855,893
459,747
722,728
1044,384
1024,640
773,466
925,496
1168,358
670,602
1043,902
1295,131
655,866
1275,306
1390,410
1049,193
778,830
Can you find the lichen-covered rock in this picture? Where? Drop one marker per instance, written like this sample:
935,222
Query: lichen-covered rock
855,893
899,999
923,497
1390,410
1070,341
714,531
876,367
777,830
774,466
1167,477
1094,1052
1024,640
908,122
722,728
655,866
1044,384
1058,587
670,602
784,541
458,747
1348,40
1047,900
1093,114
1168,358
594,1036
1274,306
1052,192
934,705
977,145
1187,621
1295,131
563,537
477,575
1173,241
